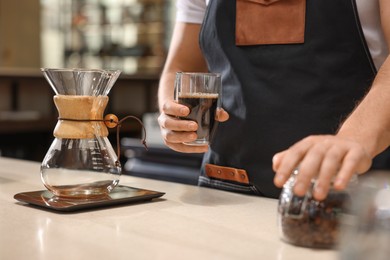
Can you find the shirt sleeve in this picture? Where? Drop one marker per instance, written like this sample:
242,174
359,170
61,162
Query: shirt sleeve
190,11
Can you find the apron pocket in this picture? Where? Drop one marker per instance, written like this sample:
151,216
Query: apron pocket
270,22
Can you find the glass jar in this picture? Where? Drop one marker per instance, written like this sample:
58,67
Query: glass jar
304,221
366,234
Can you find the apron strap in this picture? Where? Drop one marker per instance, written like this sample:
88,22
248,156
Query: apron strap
226,173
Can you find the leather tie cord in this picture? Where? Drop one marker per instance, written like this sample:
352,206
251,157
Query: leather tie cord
112,121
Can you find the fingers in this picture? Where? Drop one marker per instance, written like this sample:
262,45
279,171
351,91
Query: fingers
276,160
174,109
175,124
288,160
221,115
175,131
309,168
329,168
183,148
356,161
330,160
169,118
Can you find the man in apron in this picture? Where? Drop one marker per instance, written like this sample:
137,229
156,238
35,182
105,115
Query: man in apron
290,69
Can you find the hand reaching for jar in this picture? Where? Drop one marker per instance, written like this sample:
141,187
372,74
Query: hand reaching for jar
326,158
175,131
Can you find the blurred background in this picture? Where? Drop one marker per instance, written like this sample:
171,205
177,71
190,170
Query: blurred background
129,35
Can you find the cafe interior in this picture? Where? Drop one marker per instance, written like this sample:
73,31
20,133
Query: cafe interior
130,36
157,211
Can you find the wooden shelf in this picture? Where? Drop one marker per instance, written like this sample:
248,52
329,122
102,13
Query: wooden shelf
27,126
26,73
27,135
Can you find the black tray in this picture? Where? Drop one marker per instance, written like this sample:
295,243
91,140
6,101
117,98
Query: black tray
119,195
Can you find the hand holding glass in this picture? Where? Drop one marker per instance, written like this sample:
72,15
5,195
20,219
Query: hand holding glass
201,93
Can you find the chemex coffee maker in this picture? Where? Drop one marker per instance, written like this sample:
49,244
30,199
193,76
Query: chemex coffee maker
80,161
81,168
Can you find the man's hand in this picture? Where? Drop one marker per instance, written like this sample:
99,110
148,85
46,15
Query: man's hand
325,158
175,131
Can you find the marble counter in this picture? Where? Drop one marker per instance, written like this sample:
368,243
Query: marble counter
188,222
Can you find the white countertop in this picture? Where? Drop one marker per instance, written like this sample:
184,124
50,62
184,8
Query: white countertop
189,222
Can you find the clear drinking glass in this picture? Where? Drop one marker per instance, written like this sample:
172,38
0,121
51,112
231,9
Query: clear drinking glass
81,161
201,93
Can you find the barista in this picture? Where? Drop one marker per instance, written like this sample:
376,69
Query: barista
285,77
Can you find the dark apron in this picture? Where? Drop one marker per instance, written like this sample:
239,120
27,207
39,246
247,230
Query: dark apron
277,94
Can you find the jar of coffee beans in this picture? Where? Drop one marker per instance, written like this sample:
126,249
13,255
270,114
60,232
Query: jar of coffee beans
304,221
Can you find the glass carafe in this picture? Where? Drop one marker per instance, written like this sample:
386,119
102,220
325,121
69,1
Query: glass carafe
80,162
